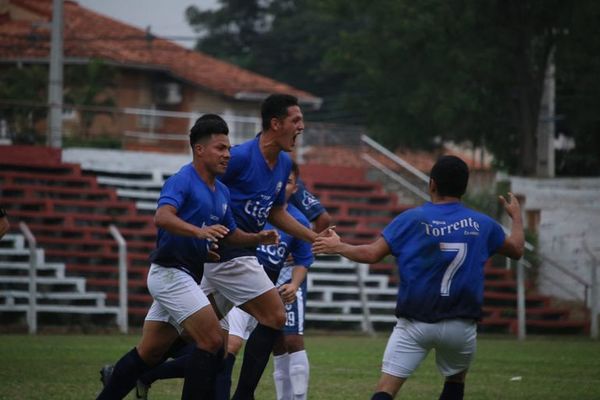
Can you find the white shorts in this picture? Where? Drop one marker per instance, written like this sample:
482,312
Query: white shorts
454,341
176,295
241,324
235,282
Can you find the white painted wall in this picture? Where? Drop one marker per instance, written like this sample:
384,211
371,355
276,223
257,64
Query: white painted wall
570,216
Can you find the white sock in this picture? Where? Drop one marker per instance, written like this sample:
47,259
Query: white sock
299,372
281,376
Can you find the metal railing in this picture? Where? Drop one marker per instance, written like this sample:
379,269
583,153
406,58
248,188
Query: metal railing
123,314
33,262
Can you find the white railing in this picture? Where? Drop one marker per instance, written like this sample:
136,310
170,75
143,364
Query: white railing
123,315
32,311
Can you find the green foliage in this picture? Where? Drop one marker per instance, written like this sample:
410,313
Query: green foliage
342,367
21,89
89,85
97,142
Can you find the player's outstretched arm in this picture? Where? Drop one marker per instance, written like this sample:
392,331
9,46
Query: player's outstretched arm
167,219
364,253
514,244
244,239
280,218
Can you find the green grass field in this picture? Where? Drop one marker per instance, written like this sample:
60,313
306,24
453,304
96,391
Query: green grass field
65,367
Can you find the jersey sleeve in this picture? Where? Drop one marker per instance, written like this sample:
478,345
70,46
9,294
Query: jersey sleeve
306,202
174,191
395,232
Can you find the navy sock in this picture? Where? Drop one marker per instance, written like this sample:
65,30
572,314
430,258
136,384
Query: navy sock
453,391
179,348
200,372
167,370
256,356
382,396
126,372
223,382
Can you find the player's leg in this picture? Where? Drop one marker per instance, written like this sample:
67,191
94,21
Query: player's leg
454,353
268,310
407,347
299,370
281,370
157,337
244,282
190,309
203,362
237,323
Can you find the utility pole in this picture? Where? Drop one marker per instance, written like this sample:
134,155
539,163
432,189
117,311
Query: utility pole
545,127
55,82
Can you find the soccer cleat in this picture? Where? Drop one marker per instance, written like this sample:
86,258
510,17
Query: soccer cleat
141,390
105,373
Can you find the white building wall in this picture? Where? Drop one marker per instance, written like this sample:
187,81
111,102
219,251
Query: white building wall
569,217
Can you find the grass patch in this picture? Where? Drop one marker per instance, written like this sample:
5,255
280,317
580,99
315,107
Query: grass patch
66,367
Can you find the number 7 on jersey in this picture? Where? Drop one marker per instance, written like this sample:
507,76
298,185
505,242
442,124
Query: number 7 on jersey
455,264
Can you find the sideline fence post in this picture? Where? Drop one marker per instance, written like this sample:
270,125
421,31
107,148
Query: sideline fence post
521,300
367,326
123,316
32,312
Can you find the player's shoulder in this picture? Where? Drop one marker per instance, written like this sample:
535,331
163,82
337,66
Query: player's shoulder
244,149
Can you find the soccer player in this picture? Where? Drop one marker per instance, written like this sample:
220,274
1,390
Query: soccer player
290,361
256,176
291,371
440,249
4,224
193,213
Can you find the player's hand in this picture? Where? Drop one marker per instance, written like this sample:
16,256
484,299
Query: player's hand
288,293
269,236
212,255
326,244
327,231
213,232
513,208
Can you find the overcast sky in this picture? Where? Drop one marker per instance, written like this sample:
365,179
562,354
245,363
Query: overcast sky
165,17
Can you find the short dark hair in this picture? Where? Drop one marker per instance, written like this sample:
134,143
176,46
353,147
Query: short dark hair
207,125
276,106
451,176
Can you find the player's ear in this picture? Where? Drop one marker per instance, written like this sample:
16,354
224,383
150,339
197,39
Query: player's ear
198,149
432,186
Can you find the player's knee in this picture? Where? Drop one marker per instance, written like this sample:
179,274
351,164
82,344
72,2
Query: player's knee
211,342
275,320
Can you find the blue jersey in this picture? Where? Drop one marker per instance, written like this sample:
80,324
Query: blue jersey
306,202
255,188
441,250
272,257
198,205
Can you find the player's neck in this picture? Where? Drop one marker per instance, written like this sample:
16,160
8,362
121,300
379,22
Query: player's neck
269,148
436,199
205,175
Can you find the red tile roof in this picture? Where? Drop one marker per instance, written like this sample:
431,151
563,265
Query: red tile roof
91,35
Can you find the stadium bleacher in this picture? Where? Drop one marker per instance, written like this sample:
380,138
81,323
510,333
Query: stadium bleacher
70,204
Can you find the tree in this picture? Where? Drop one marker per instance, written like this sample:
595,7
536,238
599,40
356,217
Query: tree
88,85
420,72
21,89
